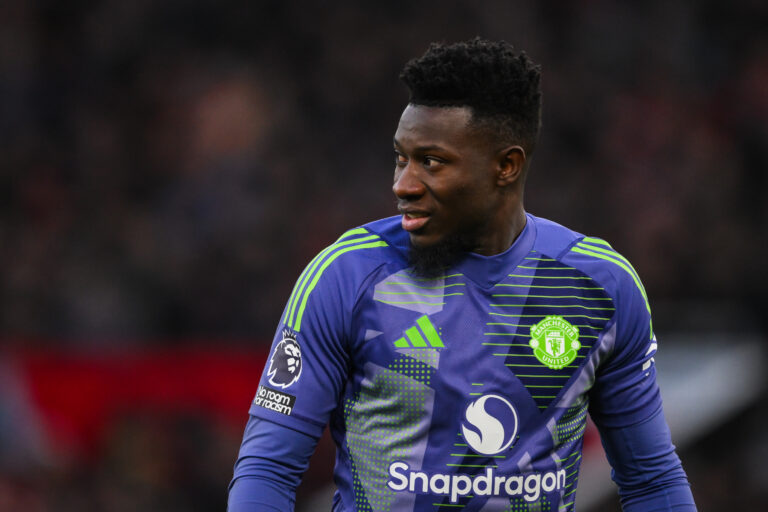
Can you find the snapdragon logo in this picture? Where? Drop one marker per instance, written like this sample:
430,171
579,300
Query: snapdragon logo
458,485
491,425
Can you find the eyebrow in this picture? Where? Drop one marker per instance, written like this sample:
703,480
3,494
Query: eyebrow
429,147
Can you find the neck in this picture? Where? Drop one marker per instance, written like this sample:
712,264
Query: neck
503,234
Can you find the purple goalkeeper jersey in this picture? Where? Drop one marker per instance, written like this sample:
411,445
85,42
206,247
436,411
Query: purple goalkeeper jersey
468,390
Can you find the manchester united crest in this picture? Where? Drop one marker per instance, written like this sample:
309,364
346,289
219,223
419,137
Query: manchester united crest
555,341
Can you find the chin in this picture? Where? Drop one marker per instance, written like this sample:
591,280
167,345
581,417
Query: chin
424,241
430,256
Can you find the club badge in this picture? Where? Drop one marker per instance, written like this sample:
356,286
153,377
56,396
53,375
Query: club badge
555,342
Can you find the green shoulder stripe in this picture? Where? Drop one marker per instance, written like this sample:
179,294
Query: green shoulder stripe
301,283
351,232
614,258
593,240
612,253
339,250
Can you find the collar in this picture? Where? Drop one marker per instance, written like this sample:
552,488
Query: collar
486,271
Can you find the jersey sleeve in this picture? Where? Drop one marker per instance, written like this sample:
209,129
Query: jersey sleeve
625,390
646,468
269,467
306,371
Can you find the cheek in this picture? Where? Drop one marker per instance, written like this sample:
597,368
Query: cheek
464,194
468,206
477,206
473,196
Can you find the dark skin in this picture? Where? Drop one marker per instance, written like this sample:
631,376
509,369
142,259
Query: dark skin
450,180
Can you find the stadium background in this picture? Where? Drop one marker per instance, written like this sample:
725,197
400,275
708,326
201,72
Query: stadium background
168,167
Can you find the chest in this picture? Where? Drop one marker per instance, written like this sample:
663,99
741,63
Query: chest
522,338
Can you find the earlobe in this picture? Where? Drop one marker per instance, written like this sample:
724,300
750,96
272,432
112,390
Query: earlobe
511,165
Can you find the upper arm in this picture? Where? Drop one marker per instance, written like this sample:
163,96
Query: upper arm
269,468
625,390
308,365
625,403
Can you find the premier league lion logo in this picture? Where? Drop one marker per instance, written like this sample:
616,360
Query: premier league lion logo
285,363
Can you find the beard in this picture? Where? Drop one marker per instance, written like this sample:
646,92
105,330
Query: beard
433,260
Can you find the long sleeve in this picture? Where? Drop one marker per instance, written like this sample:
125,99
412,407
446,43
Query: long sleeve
626,404
646,468
305,376
269,468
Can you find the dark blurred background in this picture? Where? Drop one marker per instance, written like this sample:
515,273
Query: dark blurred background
168,167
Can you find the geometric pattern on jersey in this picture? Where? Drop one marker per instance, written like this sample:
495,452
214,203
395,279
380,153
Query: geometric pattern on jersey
568,436
601,249
388,420
423,295
428,356
538,287
353,240
520,505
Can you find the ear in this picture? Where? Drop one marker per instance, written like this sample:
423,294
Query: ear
511,164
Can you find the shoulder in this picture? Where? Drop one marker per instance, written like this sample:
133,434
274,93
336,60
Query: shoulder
553,239
374,240
359,251
593,256
391,231
337,273
596,259
369,245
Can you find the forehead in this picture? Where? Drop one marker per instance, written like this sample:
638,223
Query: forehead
434,126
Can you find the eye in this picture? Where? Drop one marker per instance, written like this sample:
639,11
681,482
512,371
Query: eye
431,162
400,159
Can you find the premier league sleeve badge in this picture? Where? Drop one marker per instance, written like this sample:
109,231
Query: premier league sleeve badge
285,364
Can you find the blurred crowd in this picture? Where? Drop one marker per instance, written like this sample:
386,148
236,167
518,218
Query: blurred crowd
148,462
168,167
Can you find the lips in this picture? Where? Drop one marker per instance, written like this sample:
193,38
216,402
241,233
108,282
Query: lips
413,220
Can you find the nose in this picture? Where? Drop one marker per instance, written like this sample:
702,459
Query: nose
407,184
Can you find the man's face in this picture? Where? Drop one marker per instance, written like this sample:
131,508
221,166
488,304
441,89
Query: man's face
445,178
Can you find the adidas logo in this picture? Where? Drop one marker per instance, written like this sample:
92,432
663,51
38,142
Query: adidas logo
421,335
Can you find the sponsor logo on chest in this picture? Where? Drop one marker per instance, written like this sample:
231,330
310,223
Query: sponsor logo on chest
490,428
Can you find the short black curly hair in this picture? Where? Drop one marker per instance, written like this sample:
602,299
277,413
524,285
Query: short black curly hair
500,85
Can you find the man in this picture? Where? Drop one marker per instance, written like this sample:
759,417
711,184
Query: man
456,349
